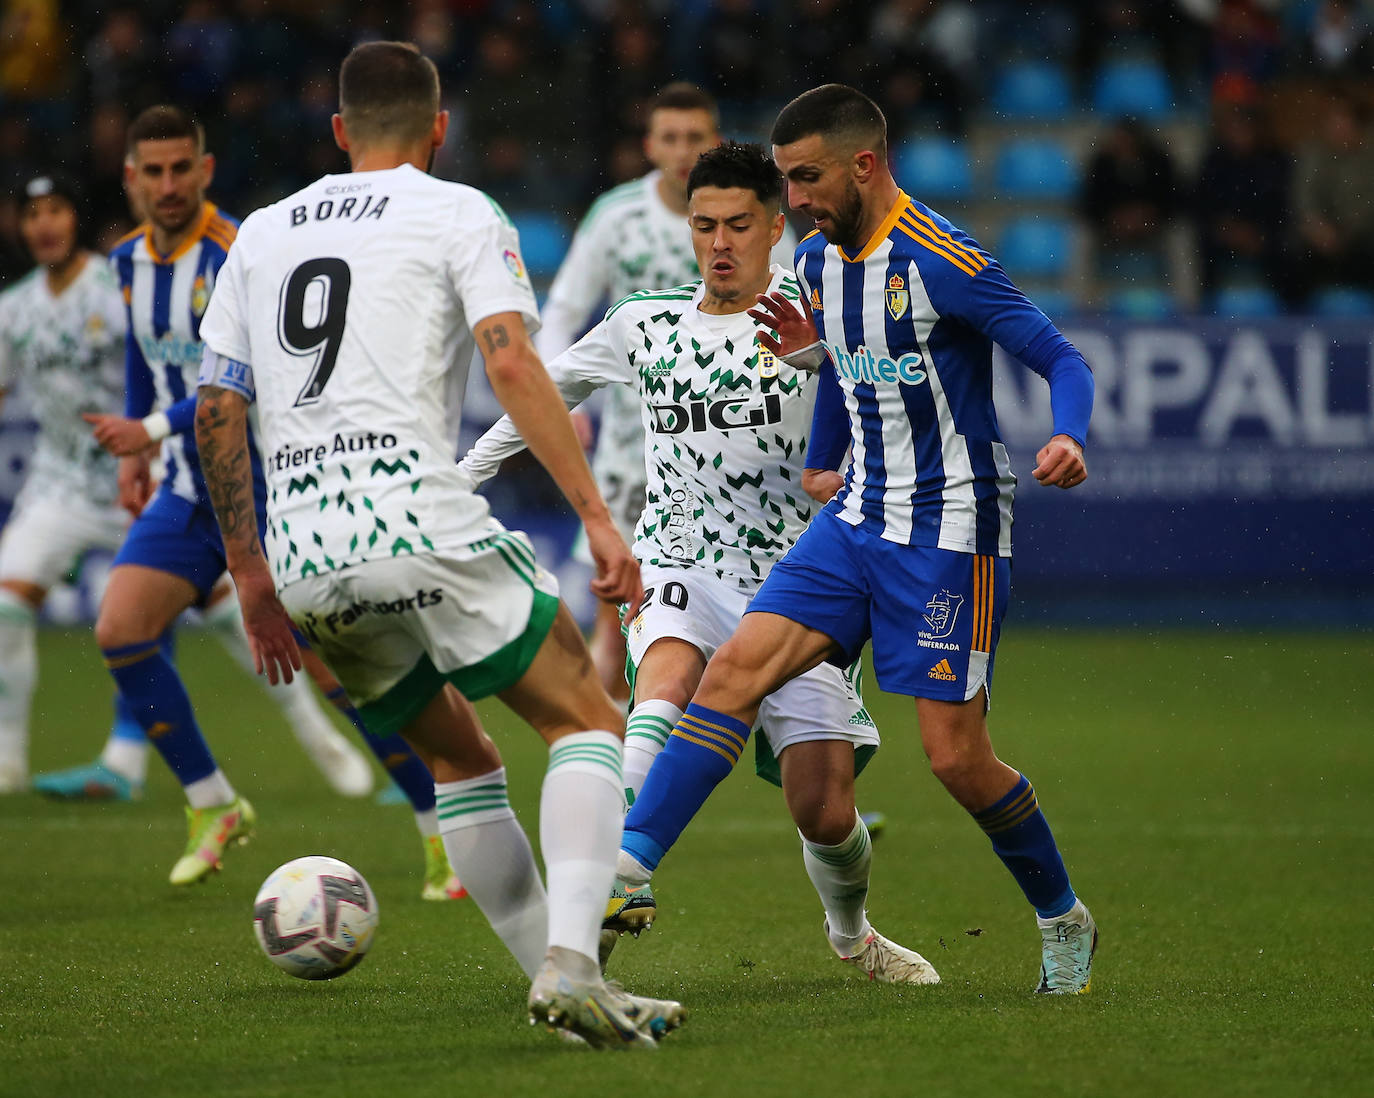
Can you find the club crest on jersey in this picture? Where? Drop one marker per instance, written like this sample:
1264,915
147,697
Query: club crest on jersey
768,365
942,612
898,299
816,306
513,264
200,296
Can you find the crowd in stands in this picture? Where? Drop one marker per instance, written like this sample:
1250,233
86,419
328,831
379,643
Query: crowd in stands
1137,155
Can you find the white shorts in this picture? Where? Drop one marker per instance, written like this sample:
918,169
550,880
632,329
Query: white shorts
823,704
394,631
49,530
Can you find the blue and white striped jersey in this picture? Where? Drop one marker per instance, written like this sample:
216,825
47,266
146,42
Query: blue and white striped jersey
166,297
909,322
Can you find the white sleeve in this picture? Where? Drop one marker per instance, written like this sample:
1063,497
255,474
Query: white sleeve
488,273
595,360
224,328
583,279
7,365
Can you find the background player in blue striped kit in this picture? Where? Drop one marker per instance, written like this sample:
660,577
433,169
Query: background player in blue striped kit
913,549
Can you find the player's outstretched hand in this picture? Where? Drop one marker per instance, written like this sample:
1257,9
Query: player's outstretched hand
1060,463
120,435
792,326
275,653
617,571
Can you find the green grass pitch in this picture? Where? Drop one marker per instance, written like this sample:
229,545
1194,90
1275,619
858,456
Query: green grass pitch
1212,795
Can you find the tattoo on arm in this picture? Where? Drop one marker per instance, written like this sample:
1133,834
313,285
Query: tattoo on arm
224,460
496,337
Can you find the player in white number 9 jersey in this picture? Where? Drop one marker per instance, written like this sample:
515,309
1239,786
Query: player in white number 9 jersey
349,313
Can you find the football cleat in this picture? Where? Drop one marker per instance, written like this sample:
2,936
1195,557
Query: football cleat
605,1016
14,777
211,830
876,822
1067,947
630,908
887,962
342,764
92,782
441,883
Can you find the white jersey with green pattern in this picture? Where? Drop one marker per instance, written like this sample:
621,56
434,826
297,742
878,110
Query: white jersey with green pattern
347,311
725,423
67,353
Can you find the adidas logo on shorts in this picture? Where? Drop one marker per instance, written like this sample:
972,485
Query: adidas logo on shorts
943,671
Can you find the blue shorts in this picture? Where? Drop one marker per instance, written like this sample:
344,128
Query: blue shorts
177,536
934,615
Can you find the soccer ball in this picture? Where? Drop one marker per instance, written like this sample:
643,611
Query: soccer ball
315,917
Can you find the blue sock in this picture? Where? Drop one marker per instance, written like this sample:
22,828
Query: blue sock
1021,838
155,696
702,750
406,768
126,726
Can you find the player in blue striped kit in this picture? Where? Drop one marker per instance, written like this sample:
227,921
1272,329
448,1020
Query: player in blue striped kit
913,549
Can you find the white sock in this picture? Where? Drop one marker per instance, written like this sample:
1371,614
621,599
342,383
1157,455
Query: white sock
211,791
428,821
127,757
491,854
840,876
629,869
581,815
18,673
646,734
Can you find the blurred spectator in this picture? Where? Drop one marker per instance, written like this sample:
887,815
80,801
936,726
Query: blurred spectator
200,49
1244,44
823,45
1335,201
922,56
1243,203
1128,198
119,62
1338,42
102,173
33,50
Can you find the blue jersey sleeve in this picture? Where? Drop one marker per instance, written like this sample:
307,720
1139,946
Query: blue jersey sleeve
991,303
182,415
829,423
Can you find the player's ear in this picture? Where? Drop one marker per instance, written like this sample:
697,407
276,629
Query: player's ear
207,167
336,123
440,129
778,222
864,165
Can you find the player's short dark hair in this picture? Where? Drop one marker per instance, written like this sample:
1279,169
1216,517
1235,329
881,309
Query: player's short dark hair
682,96
838,113
388,90
164,122
737,165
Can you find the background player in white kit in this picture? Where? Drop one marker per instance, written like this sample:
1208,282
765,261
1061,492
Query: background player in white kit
634,237
62,338
350,312
726,427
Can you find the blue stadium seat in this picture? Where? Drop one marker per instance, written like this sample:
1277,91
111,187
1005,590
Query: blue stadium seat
1036,168
1036,247
1032,89
1142,303
1245,301
543,241
1335,301
1132,87
934,167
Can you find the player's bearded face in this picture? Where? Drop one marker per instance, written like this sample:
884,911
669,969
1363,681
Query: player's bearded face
842,223
167,181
